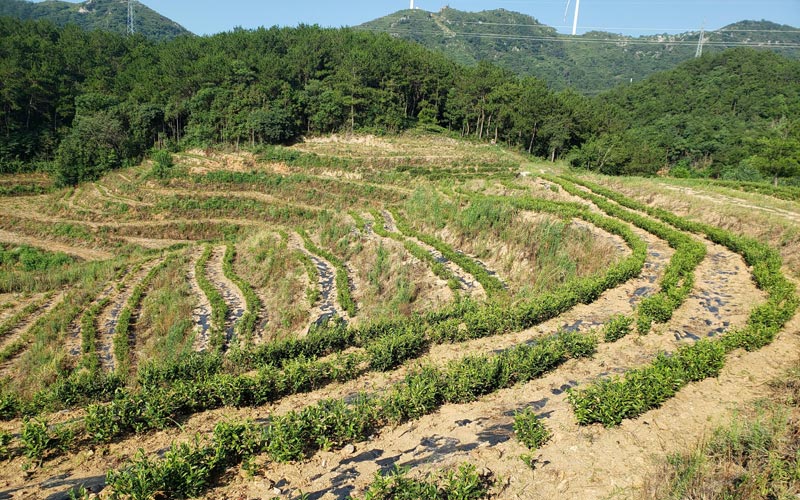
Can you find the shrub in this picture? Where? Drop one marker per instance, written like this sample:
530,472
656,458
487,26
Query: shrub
463,484
40,442
162,164
618,326
530,429
389,352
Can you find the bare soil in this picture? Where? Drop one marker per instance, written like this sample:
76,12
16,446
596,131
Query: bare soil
233,296
201,315
87,254
327,307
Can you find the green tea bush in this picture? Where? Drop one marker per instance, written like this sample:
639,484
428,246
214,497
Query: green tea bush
463,484
40,442
530,429
342,280
186,470
5,442
618,326
247,323
10,406
389,352
610,401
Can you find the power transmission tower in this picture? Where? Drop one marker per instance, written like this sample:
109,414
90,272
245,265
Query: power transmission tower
131,17
701,42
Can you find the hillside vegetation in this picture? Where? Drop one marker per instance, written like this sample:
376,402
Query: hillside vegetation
262,321
590,63
108,15
319,263
78,103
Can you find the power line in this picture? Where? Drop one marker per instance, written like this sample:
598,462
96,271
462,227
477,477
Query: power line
608,41
603,28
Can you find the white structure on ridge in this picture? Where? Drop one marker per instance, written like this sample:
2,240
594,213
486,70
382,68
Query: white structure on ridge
699,52
577,12
412,4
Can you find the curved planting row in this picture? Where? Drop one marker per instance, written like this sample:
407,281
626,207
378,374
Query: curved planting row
15,343
417,251
678,280
219,308
121,363
312,292
25,313
490,283
612,400
334,423
247,323
342,281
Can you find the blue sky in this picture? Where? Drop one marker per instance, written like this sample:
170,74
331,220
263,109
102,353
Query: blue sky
632,17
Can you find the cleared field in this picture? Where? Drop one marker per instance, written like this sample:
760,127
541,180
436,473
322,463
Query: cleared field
292,321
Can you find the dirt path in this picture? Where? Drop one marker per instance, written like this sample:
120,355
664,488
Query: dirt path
105,192
234,298
20,330
54,246
327,307
468,283
482,432
74,340
721,199
201,314
108,318
13,303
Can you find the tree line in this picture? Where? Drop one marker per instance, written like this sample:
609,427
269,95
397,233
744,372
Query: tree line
82,102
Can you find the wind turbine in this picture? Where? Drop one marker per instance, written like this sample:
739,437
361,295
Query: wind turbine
412,4
577,11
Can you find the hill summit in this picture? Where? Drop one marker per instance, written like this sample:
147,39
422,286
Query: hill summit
591,63
110,15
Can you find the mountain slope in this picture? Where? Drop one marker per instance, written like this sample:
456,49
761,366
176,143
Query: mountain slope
708,113
591,63
111,15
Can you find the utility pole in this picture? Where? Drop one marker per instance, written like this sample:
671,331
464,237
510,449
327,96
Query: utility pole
701,42
131,18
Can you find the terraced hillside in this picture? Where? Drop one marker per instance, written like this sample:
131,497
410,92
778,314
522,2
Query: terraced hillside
290,322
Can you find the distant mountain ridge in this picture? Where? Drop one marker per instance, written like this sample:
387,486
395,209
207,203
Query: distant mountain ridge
591,63
110,15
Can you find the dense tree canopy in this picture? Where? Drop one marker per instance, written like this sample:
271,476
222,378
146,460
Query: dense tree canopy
83,102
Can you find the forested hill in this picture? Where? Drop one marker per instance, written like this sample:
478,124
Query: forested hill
81,102
722,115
590,63
110,15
